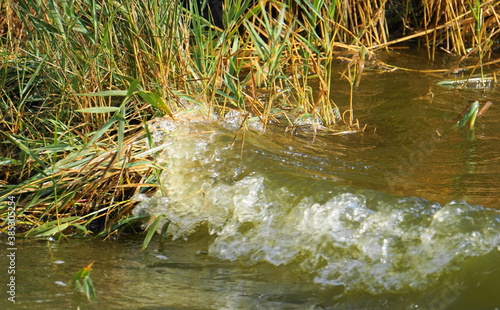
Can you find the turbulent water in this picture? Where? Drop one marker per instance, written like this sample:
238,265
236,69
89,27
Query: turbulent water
268,202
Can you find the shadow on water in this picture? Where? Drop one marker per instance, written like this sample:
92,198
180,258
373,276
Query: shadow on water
374,220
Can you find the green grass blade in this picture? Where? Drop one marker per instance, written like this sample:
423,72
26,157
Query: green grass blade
151,229
156,101
99,110
163,234
52,227
106,93
26,149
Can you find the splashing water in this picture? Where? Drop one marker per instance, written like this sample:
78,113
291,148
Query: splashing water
262,206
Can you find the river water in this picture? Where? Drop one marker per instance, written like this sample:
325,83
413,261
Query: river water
401,216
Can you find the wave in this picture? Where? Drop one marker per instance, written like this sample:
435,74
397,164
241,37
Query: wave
261,206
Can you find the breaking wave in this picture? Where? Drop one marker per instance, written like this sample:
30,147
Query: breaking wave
262,206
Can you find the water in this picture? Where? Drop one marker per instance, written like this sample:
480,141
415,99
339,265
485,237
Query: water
403,216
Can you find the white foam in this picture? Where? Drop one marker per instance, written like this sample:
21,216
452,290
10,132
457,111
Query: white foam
335,235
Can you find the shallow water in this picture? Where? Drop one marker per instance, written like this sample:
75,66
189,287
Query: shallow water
401,217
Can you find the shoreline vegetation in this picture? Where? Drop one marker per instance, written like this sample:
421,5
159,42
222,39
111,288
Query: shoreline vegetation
81,79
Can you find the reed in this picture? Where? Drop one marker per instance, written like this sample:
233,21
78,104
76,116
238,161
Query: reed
83,282
79,80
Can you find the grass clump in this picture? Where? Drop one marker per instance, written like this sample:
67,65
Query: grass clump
79,80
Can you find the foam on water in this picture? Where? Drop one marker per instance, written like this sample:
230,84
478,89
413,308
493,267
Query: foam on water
260,212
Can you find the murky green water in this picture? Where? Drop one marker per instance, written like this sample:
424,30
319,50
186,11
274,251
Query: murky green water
401,217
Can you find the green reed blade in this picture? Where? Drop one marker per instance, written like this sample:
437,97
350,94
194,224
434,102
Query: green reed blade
52,227
99,110
106,93
27,150
469,116
151,229
89,289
